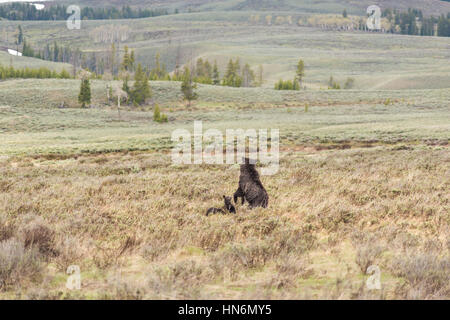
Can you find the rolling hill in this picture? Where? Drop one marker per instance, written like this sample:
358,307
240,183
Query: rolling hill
434,7
375,61
23,62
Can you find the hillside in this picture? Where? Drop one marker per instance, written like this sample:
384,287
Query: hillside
375,61
23,62
435,7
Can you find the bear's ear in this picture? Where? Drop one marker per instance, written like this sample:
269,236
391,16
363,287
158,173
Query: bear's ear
224,196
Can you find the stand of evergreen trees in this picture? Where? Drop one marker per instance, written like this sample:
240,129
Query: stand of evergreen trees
287,85
413,22
234,76
206,73
293,84
109,62
141,91
25,11
25,73
54,52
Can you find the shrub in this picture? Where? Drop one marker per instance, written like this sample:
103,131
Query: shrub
349,84
427,274
69,252
368,249
124,289
158,116
366,255
35,233
17,262
156,113
291,266
182,278
332,84
6,231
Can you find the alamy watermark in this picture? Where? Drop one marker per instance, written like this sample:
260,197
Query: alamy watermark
74,20
74,280
374,19
189,149
374,281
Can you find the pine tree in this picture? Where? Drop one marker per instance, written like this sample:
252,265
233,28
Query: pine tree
344,14
207,69
331,82
126,60
199,70
20,36
27,51
55,52
85,93
260,75
300,72
64,74
112,58
156,113
141,89
232,78
125,86
188,87
278,85
216,75
132,60
248,76
159,71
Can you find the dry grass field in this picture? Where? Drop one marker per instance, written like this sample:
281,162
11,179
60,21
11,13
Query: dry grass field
136,227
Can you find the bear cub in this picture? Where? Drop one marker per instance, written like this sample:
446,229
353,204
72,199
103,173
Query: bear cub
227,208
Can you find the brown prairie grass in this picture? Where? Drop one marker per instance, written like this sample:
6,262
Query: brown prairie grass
332,214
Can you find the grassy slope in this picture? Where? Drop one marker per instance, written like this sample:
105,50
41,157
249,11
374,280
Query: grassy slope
32,123
23,62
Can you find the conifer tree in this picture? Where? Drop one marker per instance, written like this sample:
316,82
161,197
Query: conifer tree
260,75
300,72
141,89
132,60
85,93
188,87
20,36
126,60
248,76
216,75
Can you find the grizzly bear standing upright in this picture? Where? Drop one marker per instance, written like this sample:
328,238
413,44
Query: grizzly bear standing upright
250,187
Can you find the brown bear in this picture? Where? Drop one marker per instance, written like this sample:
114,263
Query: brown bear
250,186
228,207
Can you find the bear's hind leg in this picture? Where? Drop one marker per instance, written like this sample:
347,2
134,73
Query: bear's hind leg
238,194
